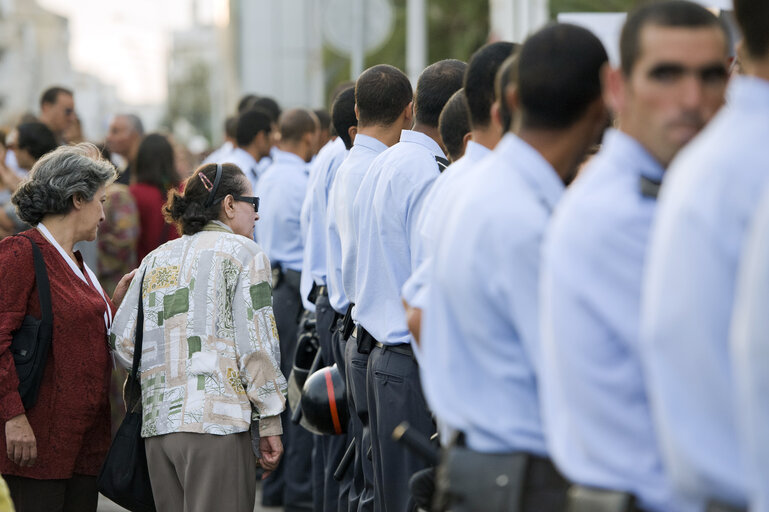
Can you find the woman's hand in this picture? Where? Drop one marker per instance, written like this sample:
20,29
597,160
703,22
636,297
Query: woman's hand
122,288
271,449
20,441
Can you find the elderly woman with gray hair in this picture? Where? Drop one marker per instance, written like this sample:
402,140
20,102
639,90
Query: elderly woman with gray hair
54,449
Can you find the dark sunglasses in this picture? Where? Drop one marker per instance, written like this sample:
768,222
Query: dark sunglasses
249,199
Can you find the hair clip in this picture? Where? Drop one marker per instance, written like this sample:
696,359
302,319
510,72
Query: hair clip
206,182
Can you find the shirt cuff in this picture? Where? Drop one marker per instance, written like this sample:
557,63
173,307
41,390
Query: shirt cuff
270,426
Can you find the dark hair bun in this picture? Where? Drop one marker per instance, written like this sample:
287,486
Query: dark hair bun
34,200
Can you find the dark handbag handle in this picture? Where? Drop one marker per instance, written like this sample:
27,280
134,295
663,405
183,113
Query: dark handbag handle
139,337
43,286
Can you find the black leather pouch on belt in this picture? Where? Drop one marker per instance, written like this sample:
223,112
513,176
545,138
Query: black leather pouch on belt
365,340
588,499
347,324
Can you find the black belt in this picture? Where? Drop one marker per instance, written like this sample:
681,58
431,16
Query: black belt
720,506
590,499
401,348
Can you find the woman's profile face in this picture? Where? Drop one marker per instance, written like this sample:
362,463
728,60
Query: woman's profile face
245,216
91,214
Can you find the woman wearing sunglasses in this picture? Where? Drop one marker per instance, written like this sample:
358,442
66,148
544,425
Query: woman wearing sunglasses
210,352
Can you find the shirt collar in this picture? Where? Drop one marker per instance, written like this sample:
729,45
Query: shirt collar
474,152
624,148
217,225
423,140
533,168
748,92
288,158
242,153
369,142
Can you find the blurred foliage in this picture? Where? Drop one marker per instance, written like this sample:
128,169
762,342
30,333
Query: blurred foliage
456,28
189,98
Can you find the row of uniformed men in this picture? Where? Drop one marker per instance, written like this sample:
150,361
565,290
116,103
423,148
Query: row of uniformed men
586,335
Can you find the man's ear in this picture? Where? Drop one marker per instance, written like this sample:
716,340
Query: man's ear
408,115
614,87
352,131
467,138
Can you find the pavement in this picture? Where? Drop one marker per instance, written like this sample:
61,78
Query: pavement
106,505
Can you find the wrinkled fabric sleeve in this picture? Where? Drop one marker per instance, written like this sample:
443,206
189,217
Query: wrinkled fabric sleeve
18,277
257,345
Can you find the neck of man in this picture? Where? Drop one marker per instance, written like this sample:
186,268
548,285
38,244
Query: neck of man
430,131
757,67
293,147
487,136
563,149
388,135
253,151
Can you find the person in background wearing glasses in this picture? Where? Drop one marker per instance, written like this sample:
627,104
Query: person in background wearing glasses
57,111
210,357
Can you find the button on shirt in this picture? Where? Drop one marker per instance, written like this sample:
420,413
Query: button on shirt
482,317
387,207
342,232
281,190
448,187
313,217
599,426
708,198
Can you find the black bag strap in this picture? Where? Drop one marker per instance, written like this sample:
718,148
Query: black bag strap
43,285
139,336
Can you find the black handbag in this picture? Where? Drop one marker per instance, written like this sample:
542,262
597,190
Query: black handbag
32,341
124,477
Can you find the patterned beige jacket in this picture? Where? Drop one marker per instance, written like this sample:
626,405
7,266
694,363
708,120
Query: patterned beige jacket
210,354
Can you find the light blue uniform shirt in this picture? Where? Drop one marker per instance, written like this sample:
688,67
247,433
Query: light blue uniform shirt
439,202
245,163
750,350
387,207
708,198
480,373
313,217
342,244
597,417
281,189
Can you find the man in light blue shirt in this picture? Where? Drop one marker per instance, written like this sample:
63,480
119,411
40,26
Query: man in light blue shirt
598,423
710,194
714,425
482,314
379,126
252,136
386,209
329,450
281,190
485,133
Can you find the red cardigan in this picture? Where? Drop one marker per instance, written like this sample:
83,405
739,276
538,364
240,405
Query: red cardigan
71,419
153,229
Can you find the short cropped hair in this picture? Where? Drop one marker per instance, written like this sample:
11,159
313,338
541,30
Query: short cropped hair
479,80
671,13
454,124
51,95
58,177
324,118
187,210
381,94
269,105
250,123
752,17
36,138
295,123
435,86
231,126
559,71
343,115
247,102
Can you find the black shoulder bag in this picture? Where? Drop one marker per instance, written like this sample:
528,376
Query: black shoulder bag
32,341
124,478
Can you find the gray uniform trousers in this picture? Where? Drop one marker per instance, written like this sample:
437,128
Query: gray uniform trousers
395,395
290,485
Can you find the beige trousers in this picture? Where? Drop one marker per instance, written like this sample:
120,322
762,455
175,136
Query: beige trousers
202,472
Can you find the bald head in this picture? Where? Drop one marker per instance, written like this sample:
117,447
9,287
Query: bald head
299,132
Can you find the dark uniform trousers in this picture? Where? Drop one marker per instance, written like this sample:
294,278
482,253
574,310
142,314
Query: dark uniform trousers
362,492
290,485
328,450
468,481
395,395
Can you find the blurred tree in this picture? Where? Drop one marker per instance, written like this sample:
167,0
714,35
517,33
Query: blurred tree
456,28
